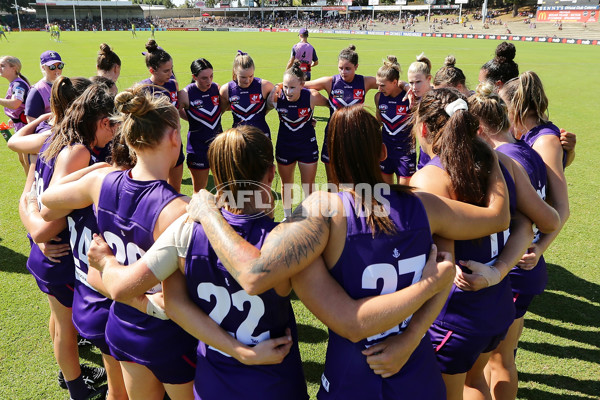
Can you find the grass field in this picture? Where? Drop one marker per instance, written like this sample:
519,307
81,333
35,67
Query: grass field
559,356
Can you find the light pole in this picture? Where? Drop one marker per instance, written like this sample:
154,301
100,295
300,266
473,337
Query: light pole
18,17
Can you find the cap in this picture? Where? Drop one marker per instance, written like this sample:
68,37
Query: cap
303,31
50,57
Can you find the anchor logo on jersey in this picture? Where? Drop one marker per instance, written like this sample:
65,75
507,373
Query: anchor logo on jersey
396,253
401,110
302,112
254,98
215,100
359,94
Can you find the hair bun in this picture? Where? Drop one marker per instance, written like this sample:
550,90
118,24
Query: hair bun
134,101
450,61
351,47
505,52
104,49
485,89
151,46
392,59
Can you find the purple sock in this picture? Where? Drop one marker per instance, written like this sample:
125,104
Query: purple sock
78,388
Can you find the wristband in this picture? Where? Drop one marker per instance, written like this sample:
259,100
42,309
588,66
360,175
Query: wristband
155,310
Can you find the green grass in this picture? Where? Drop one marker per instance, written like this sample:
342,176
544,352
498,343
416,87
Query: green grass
559,354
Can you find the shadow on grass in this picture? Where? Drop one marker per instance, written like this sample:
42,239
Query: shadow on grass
561,351
566,309
91,354
311,334
588,387
11,261
313,371
541,394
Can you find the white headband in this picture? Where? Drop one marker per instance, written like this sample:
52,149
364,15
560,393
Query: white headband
458,104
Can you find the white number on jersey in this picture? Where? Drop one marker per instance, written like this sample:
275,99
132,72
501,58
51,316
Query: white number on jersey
390,275
207,290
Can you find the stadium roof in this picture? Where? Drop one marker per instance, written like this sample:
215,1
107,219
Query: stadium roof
84,3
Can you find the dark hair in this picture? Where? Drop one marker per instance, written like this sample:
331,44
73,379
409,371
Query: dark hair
239,155
349,54
102,80
80,122
296,71
355,143
155,56
502,67
121,155
107,58
143,117
64,91
449,74
199,65
466,158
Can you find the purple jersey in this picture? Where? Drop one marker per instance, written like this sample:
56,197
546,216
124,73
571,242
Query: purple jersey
295,120
396,130
90,308
250,319
343,94
18,89
532,281
38,99
488,311
127,213
306,54
248,105
169,89
541,130
38,264
204,116
369,267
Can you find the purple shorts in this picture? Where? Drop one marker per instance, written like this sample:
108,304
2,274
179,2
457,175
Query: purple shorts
289,153
522,302
403,166
62,292
456,352
175,370
181,158
198,160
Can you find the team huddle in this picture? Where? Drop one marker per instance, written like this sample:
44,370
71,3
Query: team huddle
422,265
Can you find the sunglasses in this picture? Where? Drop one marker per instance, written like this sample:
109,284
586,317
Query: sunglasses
54,66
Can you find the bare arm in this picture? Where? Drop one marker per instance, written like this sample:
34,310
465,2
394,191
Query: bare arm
370,83
11,103
461,221
224,98
24,141
388,357
184,104
185,313
568,140
361,318
528,201
521,235
323,83
317,99
551,152
289,248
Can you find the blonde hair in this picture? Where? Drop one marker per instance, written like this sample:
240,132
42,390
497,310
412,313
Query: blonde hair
449,74
527,97
390,70
422,65
241,61
144,118
489,108
239,158
16,64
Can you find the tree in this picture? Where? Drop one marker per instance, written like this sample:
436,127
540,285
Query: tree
9,5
